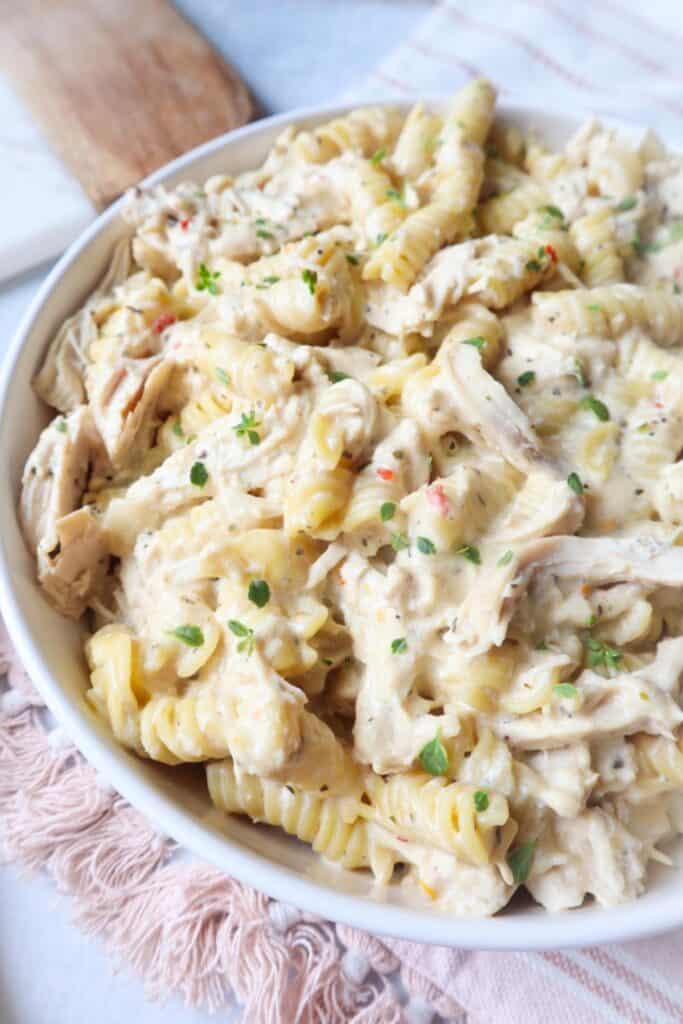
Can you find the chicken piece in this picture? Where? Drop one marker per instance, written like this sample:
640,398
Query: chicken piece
231,464
628,703
56,474
73,570
485,411
486,613
124,397
61,380
592,853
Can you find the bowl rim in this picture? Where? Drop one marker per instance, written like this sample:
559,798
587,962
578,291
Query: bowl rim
652,913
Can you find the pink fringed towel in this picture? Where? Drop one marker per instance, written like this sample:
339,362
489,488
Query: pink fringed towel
187,928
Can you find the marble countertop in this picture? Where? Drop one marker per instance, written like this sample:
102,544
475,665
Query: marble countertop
292,54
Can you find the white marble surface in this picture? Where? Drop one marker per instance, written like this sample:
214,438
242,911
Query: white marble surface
292,53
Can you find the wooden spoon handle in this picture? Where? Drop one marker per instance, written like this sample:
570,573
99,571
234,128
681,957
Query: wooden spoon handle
119,88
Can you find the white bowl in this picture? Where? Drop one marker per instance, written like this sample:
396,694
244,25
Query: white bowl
175,798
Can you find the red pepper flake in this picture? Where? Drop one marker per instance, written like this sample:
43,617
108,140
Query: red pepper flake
436,496
185,223
658,405
677,273
550,249
385,474
163,321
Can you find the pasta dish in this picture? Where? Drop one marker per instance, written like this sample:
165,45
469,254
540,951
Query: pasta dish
365,478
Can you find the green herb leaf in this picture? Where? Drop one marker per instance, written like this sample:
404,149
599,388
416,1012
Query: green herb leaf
199,474
574,481
594,307
262,233
399,541
565,690
223,376
481,801
378,156
207,280
520,859
310,278
426,546
470,553
393,193
433,757
190,635
553,211
267,282
595,406
246,635
336,375
246,427
477,342
626,204
387,510
528,377
399,646
542,646
352,259
259,593
177,429
534,265
659,375
505,559
61,425
601,655
381,237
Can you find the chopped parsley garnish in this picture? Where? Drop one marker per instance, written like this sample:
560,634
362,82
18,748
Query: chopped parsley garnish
553,211
396,196
352,259
433,757
399,645
177,429
198,474
542,646
574,481
659,375
399,541
244,634
595,406
534,265
426,546
310,278
381,237
262,233
387,510
190,635
61,425
565,690
470,553
259,593
481,801
626,204
477,342
528,377
336,375
247,427
595,308
268,281
520,860
222,375
601,655
207,280
505,559
378,156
